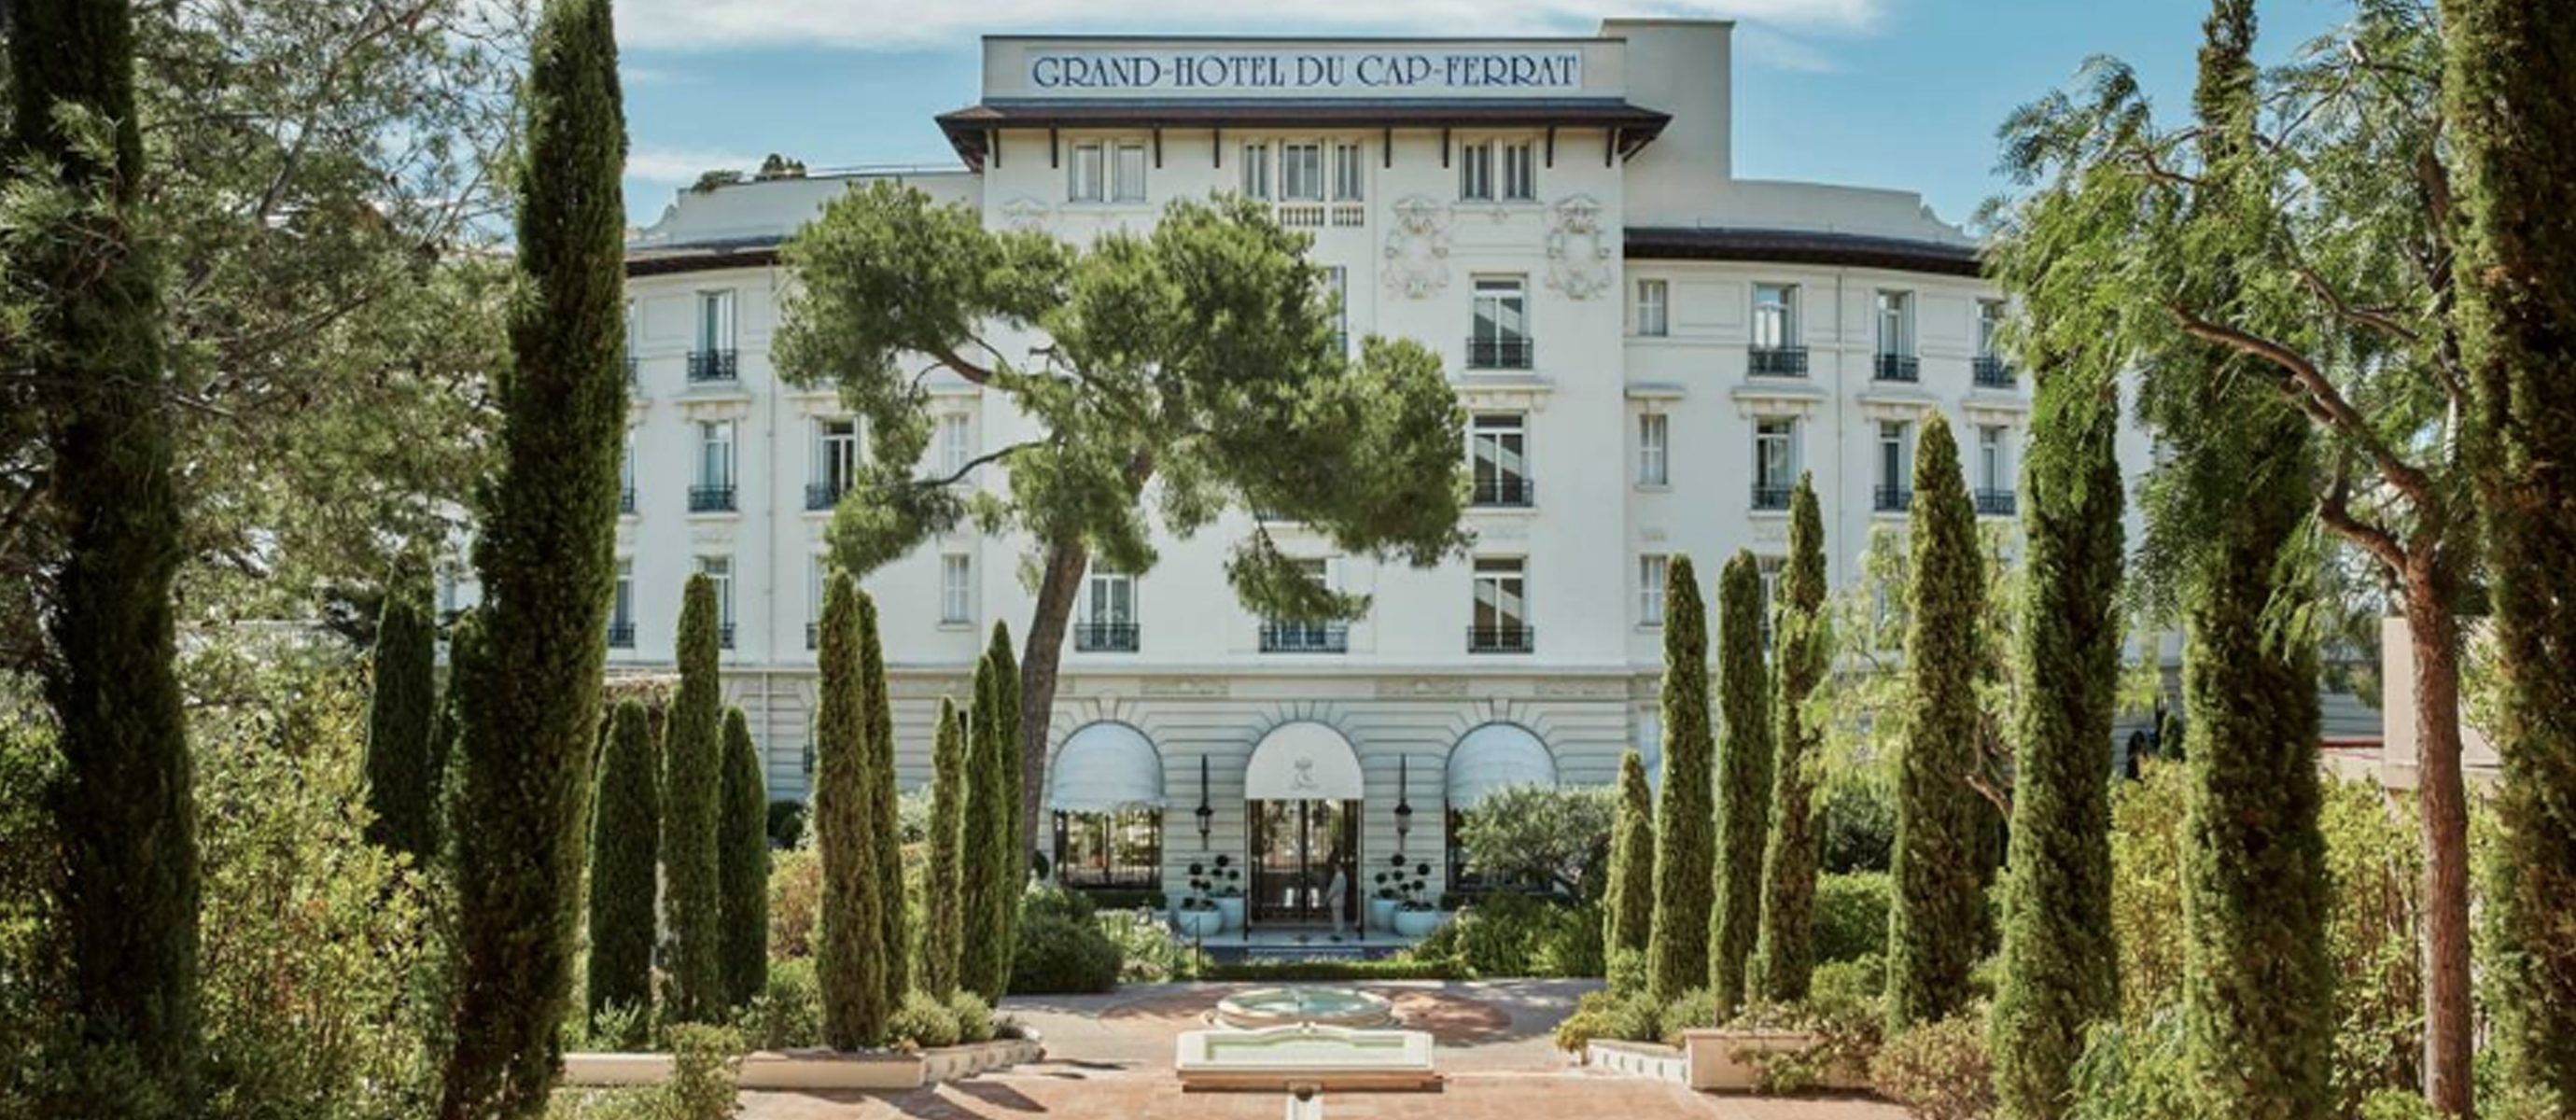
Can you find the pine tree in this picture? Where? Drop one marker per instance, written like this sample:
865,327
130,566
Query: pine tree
1628,910
1800,660
1744,779
1937,920
850,957
402,788
944,894
2512,129
625,842
2059,972
1010,872
742,858
692,792
546,552
885,815
1677,945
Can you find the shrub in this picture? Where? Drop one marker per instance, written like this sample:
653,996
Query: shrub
1551,837
974,1017
1626,970
788,1012
1697,1009
1148,951
1510,934
1050,900
1859,823
2133,1071
923,1022
795,901
1842,1009
786,824
703,1060
1850,916
1126,900
2146,890
1056,955
1939,1070
1606,1015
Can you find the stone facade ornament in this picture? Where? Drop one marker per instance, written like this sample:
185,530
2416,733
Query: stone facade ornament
1417,248
1025,215
1579,251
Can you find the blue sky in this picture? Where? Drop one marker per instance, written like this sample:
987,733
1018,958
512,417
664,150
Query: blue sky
1901,94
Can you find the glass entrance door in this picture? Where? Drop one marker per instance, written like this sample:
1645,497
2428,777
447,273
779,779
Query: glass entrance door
1295,847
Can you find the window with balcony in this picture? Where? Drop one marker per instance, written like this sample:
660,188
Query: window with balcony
836,461
1994,471
621,607
1775,462
1654,571
956,445
956,589
1895,490
1108,619
1990,368
713,491
1501,619
1776,350
1088,167
1498,458
626,474
1896,360
1287,635
1301,172
1499,336
1127,173
1350,172
719,570
1654,449
713,357
1256,171
1654,308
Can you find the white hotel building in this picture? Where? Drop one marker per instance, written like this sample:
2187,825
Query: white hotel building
1650,350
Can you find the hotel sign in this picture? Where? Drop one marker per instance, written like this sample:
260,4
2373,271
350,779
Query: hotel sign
1308,71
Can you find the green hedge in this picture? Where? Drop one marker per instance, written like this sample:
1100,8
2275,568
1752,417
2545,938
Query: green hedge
1851,916
1124,899
1056,954
1335,970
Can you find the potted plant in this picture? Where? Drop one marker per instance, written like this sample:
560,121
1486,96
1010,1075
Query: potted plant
1415,914
1196,915
1229,894
1381,903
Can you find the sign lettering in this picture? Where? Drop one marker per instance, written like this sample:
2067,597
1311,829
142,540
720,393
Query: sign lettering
1307,71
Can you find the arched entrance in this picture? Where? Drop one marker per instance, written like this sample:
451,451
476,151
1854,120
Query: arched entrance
1105,791
1302,795
1492,757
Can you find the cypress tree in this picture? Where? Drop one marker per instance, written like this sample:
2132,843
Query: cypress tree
2059,971
850,959
692,788
945,891
547,559
447,754
1628,912
625,841
1937,920
2512,129
983,844
1011,854
1744,779
1677,944
402,787
1800,659
123,808
885,815
743,865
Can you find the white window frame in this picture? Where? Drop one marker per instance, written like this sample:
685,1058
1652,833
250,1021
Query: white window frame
626,465
836,454
1654,307
1350,171
1775,451
1654,449
1992,459
1775,320
1258,183
1654,573
817,565
1476,171
716,321
718,448
1519,160
1087,173
1128,168
1895,453
720,570
956,443
621,604
1301,171
1108,597
1501,591
1499,441
1895,319
956,589
1493,295
1990,321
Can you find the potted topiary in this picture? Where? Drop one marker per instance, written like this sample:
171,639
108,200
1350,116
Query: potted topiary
1196,914
1415,914
1228,894
1382,902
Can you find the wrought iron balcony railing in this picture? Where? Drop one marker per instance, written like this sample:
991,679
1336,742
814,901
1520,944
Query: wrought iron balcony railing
1990,372
724,635
1996,503
1893,499
824,495
1900,367
1502,639
626,500
1105,637
1305,637
1776,361
1500,353
621,635
1770,497
813,635
1506,490
712,365
710,499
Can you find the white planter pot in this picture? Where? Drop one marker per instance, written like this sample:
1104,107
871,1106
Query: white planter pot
1198,923
1381,913
1731,1059
1417,923
1231,910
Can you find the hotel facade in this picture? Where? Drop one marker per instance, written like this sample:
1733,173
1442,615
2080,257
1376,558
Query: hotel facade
1649,349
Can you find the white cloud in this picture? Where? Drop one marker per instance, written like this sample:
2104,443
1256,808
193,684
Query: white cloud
894,24
682,165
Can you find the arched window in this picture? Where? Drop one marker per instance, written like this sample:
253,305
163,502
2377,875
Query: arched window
1489,758
1106,790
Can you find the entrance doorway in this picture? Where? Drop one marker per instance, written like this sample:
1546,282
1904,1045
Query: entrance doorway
1295,847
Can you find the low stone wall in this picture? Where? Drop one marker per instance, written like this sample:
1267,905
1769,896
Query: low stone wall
818,1069
1712,1060
1650,1060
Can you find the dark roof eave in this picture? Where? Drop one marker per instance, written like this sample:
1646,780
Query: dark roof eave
1798,247
675,262
970,128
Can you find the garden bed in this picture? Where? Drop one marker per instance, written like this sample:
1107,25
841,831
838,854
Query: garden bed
818,1068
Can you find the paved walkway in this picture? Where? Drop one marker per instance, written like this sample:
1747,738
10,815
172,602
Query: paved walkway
1111,1056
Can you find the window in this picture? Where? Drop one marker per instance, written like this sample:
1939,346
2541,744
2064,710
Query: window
1775,461
1895,466
1301,172
1108,611
1502,607
1089,169
626,474
1520,172
1256,171
955,449
1654,458
1654,314
1895,323
1498,454
1499,332
715,485
1990,321
1283,635
956,588
1770,569
715,321
1775,316
1127,175
1476,173
1990,458
836,461
621,607
719,570
1112,850
1350,172
1654,570
1337,287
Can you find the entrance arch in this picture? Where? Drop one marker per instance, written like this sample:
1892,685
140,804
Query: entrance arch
1302,790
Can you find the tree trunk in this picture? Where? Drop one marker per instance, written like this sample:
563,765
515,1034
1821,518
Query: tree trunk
2442,801
1039,657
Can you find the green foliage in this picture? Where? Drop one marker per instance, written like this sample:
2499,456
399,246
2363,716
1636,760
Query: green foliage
1628,904
1938,1070
849,958
625,843
786,824
944,884
1851,916
984,958
788,1012
1744,780
1633,1017
402,783
703,1063
1149,952
2134,1071
742,859
1010,817
974,1018
923,1022
1685,853
1547,837
1510,934
2146,891
1696,1009
692,816
1859,821
545,551
894,912
1845,1012
1938,926
1058,954
1785,948
2375,858
795,902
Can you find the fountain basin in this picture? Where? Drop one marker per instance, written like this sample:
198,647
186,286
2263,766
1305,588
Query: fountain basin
1305,1057
1281,1007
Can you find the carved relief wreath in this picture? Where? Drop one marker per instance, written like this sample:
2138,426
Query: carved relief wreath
1578,250
1417,247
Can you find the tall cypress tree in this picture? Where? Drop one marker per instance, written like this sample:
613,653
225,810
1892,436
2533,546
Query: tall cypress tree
124,808
1800,658
742,858
692,789
1010,873
2512,129
850,957
547,559
1937,922
402,787
984,837
625,841
1677,944
1628,911
1744,779
2059,972
885,815
447,742
943,927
